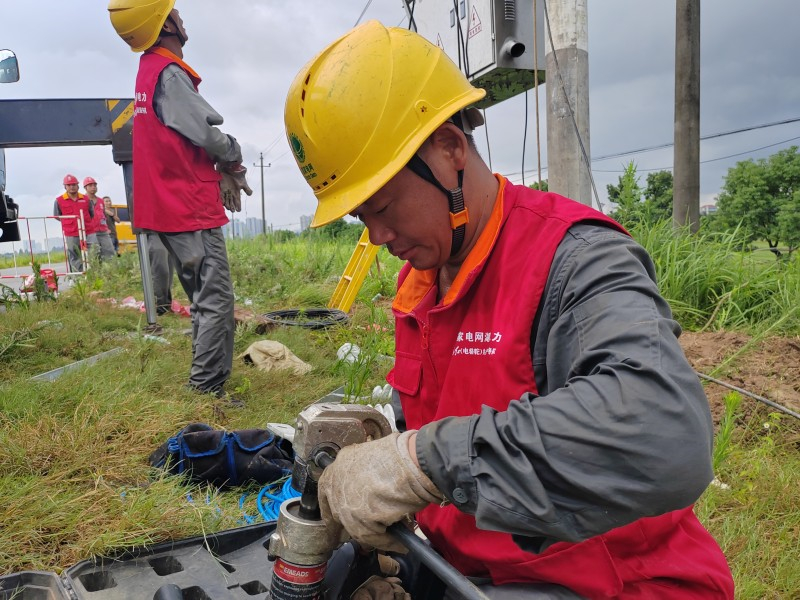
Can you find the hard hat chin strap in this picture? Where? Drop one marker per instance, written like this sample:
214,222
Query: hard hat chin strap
176,33
459,216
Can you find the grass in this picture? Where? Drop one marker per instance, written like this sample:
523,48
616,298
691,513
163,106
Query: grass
74,478
711,284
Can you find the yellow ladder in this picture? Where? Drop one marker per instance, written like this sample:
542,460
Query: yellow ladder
354,273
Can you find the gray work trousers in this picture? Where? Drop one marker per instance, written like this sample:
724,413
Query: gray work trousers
106,245
162,272
74,256
202,261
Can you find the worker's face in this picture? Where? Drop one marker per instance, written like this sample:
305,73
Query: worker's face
72,188
91,188
411,218
177,25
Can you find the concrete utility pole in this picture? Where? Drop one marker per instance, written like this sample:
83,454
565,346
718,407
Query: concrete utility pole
686,176
261,165
567,63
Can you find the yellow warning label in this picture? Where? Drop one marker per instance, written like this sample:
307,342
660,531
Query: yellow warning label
121,113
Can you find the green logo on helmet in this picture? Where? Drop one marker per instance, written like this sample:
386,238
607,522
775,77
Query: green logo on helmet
297,148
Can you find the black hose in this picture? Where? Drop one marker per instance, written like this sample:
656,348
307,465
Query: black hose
744,392
308,318
438,565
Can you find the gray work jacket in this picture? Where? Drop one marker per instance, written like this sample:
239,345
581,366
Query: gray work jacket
620,428
180,107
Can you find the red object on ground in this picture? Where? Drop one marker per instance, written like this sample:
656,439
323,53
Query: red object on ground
49,275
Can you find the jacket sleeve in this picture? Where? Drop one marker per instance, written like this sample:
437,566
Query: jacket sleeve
56,208
180,107
621,428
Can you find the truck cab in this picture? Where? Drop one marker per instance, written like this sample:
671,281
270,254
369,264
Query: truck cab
125,235
9,228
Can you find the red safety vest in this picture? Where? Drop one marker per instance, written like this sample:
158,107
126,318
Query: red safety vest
70,207
175,185
474,349
99,222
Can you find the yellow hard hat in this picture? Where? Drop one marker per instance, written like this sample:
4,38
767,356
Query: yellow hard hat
358,112
139,22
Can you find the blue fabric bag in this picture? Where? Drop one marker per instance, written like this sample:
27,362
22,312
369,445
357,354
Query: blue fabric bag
225,458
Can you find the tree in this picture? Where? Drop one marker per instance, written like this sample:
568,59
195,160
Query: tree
761,196
338,229
628,197
540,185
658,196
789,222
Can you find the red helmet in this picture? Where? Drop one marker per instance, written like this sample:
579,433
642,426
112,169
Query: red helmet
70,179
88,180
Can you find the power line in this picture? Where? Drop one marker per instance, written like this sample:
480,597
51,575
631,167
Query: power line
362,13
704,137
710,160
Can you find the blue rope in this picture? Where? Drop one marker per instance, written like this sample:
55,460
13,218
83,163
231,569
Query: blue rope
269,500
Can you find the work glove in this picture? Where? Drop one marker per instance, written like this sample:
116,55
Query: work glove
381,588
371,486
232,184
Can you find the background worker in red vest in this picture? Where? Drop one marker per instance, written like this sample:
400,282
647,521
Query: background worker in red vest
105,246
74,204
112,218
555,435
184,168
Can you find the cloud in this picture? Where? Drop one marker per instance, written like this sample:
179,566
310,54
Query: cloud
249,52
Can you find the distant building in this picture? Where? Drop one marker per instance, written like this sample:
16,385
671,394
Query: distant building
708,209
254,227
53,243
305,222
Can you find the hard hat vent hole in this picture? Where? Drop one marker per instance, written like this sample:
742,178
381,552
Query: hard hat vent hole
303,96
327,182
308,78
302,112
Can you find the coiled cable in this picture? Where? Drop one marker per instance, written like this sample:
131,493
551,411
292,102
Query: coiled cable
308,318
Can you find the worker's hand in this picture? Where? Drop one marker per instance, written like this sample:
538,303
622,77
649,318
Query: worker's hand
233,183
83,245
371,486
380,588
231,195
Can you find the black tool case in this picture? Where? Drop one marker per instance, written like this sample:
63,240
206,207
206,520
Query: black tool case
229,565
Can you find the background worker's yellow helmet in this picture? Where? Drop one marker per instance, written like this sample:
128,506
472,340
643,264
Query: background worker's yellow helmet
139,22
358,112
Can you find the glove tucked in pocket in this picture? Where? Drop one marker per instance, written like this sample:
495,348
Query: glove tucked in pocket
225,458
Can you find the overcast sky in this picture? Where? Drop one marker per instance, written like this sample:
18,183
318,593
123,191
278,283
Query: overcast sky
249,51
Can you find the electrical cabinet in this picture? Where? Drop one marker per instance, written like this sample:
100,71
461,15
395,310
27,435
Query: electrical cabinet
493,42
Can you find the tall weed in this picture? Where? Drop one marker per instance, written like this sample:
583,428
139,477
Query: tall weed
710,282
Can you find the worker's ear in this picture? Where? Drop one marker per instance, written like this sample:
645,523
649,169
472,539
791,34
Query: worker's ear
451,144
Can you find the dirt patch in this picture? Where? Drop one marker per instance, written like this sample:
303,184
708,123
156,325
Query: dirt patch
768,367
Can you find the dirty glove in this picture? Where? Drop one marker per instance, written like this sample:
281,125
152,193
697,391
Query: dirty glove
232,184
371,486
380,588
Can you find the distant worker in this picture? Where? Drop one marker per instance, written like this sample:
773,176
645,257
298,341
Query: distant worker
111,220
184,168
74,204
104,244
554,436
